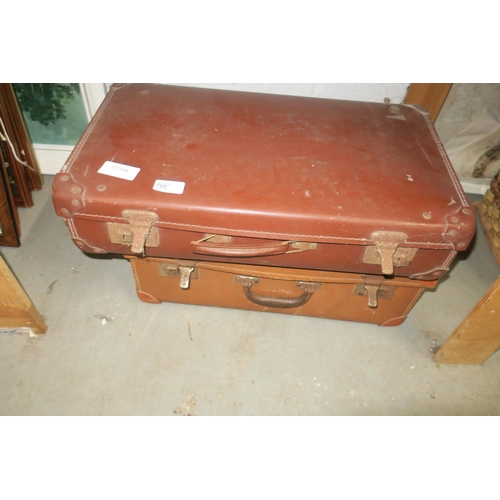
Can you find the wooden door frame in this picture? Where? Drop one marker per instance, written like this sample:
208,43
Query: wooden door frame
430,96
52,157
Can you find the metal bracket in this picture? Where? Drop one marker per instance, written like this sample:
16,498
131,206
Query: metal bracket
246,280
402,256
185,271
122,234
303,246
373,288
386,244
217,238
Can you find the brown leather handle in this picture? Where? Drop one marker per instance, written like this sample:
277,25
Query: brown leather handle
277,302
225,250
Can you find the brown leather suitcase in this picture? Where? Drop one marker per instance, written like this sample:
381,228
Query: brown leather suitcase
323,294
224,176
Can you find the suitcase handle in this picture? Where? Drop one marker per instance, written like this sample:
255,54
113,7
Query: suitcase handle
277,302
224,250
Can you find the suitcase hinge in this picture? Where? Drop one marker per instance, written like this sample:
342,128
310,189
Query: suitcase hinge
185,271
141,229
387,252
373,288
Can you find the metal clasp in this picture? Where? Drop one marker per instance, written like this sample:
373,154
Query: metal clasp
386,244
141,223
185,271
373,288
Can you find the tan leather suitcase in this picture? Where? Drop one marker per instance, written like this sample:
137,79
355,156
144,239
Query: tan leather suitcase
270,180
323,294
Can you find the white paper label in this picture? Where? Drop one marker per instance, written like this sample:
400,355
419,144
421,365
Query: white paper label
173,187
119,170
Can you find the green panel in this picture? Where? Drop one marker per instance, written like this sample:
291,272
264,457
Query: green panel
54,112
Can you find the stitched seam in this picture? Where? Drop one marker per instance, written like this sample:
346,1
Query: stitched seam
74,235
444,266
323,280
449,166
228,268
121,219
449,260
166,225
72,229
267,232
136,276
412,303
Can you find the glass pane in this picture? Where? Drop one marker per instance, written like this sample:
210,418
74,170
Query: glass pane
54,112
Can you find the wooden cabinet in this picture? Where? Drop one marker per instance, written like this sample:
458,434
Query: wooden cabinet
19,171
10,231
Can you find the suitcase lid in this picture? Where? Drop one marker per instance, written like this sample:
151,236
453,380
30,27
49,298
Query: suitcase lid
268,166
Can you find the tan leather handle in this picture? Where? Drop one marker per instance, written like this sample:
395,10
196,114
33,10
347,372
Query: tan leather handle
226,250
277,302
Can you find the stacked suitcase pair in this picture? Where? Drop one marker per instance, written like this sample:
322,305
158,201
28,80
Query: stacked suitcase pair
327,208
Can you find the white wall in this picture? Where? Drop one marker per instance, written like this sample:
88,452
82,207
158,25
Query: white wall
372,92
463,109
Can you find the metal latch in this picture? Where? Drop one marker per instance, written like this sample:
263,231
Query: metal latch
185,271
373,288
302,246
387,253
139,233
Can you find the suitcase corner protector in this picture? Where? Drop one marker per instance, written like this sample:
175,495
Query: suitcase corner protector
146,297
394,321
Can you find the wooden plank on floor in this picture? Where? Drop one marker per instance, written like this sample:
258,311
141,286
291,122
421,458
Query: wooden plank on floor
16,308
478,336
